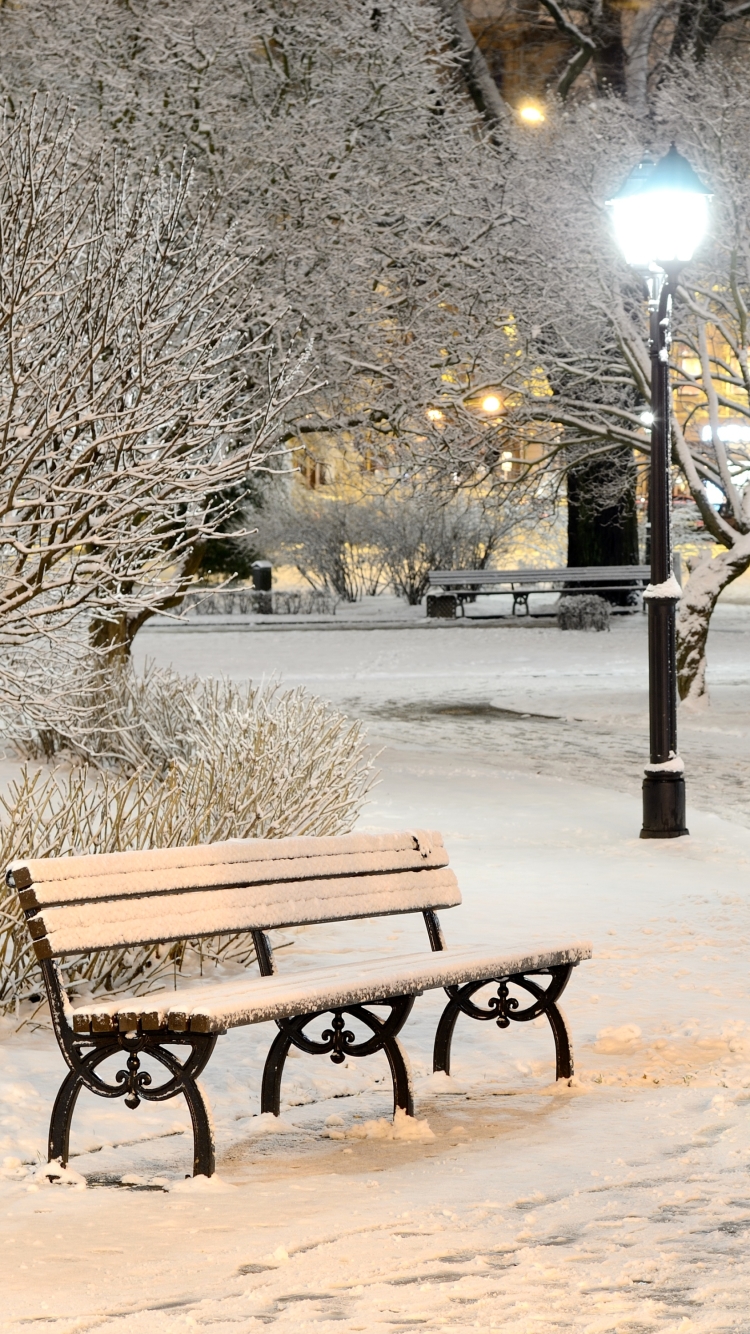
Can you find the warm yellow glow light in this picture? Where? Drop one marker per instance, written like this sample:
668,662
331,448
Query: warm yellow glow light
434,414
491,404
531,114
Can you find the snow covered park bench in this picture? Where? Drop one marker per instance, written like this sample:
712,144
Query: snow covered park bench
458,586
75,905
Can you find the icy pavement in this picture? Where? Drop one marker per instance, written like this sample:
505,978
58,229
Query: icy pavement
621,1203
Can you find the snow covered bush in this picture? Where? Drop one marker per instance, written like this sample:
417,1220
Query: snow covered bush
173,761
418,529
585,611
329,540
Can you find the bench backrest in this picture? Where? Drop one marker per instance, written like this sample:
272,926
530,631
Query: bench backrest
564,574
112,900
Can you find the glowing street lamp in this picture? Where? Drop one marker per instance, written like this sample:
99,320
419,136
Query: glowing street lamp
660,217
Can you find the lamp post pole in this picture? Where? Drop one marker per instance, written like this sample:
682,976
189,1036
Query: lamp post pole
660,215
664,778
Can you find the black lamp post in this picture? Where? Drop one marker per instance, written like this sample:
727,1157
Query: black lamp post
660,216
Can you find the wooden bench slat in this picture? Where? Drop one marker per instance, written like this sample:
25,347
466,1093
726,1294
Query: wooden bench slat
141,884
214,1007
45,881
121,922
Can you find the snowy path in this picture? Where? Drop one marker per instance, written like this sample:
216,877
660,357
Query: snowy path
620,1204
472,686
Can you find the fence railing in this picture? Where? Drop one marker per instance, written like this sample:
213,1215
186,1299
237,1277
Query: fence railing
251,602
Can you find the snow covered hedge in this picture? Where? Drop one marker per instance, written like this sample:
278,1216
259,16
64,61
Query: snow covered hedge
172,761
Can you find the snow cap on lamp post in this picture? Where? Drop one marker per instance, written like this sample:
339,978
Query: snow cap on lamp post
660,214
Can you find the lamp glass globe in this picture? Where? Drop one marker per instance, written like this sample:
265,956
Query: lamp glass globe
661,214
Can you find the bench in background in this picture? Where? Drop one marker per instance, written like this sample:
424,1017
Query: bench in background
460,586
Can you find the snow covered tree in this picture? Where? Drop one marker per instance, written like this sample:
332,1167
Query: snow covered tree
583,328
574,47
132,389
347,157
579,49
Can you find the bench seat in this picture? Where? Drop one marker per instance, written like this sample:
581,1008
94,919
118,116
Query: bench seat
214,1007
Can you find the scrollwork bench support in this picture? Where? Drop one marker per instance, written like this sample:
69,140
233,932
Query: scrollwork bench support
340,1043
504,1009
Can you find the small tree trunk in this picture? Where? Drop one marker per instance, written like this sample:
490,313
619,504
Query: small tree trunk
114,637
706,582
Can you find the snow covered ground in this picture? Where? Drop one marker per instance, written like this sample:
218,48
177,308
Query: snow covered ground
621,1203
482,686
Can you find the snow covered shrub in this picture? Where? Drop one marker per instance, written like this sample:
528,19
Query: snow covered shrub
583,612
327,539
177,761
419,529
389,532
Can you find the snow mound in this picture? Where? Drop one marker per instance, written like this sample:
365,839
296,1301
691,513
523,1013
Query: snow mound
215,1184
618,1041
268,1124
440,1082
280,1256
564,1085
401,1127
57,1175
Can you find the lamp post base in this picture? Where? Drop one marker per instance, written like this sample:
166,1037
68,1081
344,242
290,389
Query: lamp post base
664,806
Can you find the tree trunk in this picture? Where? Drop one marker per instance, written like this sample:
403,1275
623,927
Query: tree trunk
610,60
706,582
480,84
114,637
601,533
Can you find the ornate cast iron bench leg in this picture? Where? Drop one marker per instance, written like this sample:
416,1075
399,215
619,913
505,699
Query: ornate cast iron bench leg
134,1085
338,1042
504,1008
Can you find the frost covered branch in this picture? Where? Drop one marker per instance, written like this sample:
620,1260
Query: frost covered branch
136,384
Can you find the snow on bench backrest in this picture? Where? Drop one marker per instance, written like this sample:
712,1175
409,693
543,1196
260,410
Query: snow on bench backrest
129,898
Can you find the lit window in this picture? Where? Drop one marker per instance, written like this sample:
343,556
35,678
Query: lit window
434,414
731,433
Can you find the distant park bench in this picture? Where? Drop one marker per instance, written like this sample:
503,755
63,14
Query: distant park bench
76,905
460,586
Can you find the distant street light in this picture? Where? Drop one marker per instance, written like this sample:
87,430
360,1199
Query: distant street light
660,217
